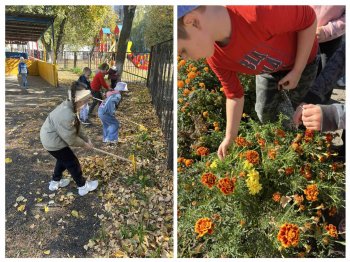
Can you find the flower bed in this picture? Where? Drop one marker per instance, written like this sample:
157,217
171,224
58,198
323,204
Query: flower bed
277,194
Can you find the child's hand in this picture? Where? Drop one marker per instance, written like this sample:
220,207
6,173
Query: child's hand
222,151
312,117
290,81
297,115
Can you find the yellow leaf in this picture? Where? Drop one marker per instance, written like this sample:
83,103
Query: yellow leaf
120,254
39,200
46,209
142,128
21,208
8,160
75,213
133,162
47,252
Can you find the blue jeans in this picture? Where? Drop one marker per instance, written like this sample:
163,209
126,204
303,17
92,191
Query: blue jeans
24,80
110,127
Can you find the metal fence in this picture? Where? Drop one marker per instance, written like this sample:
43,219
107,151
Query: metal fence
160,82
134,71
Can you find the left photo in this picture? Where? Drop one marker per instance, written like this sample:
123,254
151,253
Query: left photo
89,131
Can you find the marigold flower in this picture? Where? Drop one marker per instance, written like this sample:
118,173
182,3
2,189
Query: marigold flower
247,165
332,230
226,185
208,179
202,151
309,135
205,114
272,154
206,69
289,170
180,84
214,164
306,171
194,69
252,157
180,159
332,211
191,75
215,124
188,162
329,138
241,141
242,222
276,197
221,89
186,92
262,142
241,174
288,235
311,192
217,128
202,85
187,81
253,182
298,199
182,63
204,226
180,100
280,133
179,169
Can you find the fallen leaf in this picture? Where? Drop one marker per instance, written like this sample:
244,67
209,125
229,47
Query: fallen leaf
285,200
8,160
46,209
21,208
75,213
120,254
47,252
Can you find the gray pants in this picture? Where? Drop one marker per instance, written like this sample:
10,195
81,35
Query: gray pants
270,102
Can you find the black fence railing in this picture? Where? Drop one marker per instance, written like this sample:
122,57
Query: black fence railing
160,82
135,67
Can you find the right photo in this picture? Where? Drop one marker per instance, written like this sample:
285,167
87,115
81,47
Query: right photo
261,131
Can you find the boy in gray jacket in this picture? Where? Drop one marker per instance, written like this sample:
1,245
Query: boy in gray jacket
60,131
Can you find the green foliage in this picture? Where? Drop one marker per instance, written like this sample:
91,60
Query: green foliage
274,191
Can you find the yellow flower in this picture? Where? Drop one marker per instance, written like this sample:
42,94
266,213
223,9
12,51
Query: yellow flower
253,182
214,164
253,175
247,165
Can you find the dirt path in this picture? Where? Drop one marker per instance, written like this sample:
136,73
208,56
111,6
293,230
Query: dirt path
130,215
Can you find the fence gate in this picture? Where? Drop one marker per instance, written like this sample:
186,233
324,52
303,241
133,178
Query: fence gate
160,83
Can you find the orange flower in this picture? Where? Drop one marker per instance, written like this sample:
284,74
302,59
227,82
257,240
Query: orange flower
241,141
180,84
216,124
179,169
182,63
329,138
311,192
208,179
298,199
319,213
188,162
221,89
205,114
217,128
241,174
332,230
180,159
180,100
306,171
194,69
288,235
276,197
272,154
226,185
187,81
280,133
332,211
289,170
191,75
337,166
202,151
206,69
309,135
252,156
262,142
186,92
204,226
202,85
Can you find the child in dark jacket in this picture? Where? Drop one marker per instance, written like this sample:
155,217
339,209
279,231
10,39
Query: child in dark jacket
85,80
114,76
23,72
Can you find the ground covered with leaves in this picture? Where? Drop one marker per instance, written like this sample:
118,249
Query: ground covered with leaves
129,215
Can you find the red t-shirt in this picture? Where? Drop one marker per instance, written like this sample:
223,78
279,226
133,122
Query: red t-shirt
98,81
263,40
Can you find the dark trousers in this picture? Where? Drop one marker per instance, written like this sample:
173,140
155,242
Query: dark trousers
66,160
98,95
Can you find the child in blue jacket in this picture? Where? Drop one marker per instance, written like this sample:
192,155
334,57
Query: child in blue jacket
23,72
106,113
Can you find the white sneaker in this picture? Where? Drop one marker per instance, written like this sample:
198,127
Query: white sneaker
54,185
89,186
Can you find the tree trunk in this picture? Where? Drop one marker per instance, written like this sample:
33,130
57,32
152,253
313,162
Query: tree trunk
60,36
48,48
129,12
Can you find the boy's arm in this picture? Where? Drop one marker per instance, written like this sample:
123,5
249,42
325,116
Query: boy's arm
234,110
306,39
